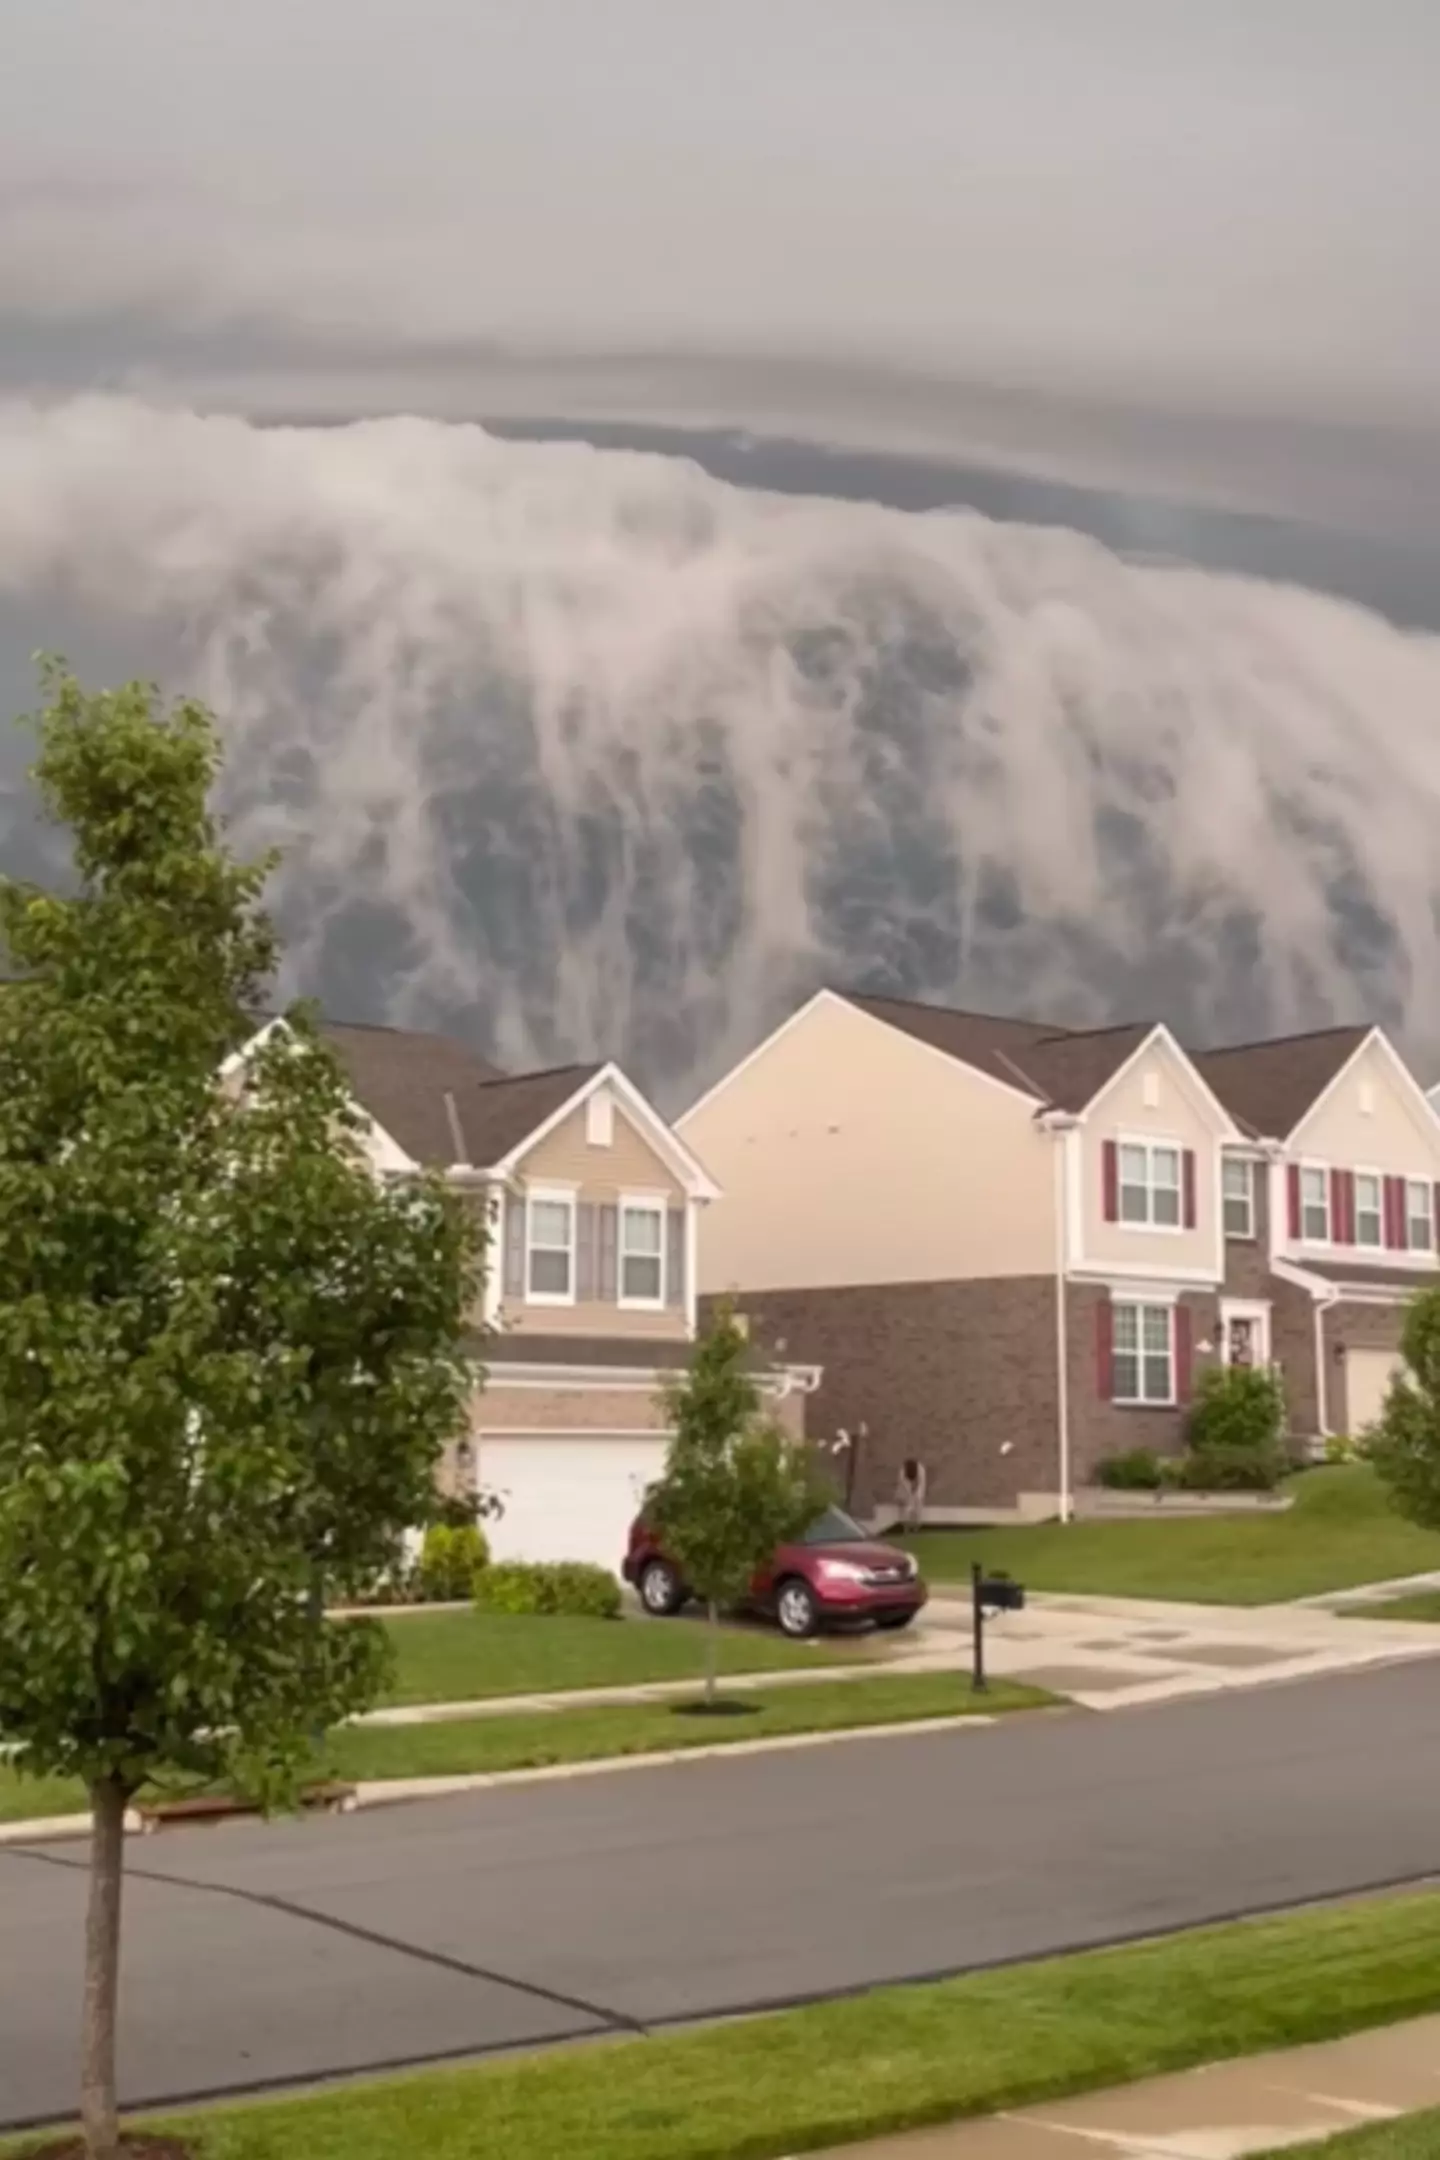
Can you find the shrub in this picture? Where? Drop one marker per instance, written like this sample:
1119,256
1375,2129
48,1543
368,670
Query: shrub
1232,1469
450,1560
570,1587
1135,1470
1238,1407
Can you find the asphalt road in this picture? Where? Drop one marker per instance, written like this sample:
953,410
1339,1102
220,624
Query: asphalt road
260,1955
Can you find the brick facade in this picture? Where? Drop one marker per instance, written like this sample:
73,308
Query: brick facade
1100,1427
951,1372
1354,1327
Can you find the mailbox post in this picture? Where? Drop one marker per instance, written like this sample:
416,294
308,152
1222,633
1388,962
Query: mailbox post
989,1593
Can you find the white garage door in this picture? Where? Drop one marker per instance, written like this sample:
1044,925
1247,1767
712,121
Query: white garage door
568,1498
1367,1382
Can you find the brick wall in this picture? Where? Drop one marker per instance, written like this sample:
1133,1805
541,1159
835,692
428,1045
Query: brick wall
1099,1427
1354,1327
951,1372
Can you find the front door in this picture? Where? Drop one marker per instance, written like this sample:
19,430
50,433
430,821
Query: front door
1245,1333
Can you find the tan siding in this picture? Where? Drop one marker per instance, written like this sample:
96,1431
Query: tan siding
1396,1134
1179,1116
629,1164
599,1175
848,1153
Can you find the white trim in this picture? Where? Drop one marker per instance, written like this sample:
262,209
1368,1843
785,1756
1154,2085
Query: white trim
1243,1162
1131,1272
574,1432
1148,1146
1161,1034
1257,1309
1423,1252
694,1177
551,1196
1130,1292
692,1266
1139,1305
641,1203
1366,1170
624,1379
1314,1244
493,1288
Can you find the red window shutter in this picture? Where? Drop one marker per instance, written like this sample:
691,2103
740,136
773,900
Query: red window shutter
1184,1355
1293,1184
1187,1172
1105,1351
1402,1216
1110,1174
1435,1215
1342,1207
1395,1214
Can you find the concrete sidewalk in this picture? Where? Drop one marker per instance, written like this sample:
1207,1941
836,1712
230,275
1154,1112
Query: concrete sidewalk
1120,1653
1259,2105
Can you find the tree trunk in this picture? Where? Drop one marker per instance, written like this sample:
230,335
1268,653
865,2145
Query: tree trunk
98,2113
712,1648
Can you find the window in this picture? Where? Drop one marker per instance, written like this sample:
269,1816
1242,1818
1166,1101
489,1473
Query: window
642,1253
1419,1215
1150,1184
1315,1206
1239,1179
1369,1219
550,1249
1143,1353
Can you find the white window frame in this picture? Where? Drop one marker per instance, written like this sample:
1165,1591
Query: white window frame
1141,1401
1322,1171
1377,1243
1229,1200
1149,1148
550,1196
1426,1186
641,1203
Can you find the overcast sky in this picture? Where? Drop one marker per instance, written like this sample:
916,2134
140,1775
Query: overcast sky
1219,207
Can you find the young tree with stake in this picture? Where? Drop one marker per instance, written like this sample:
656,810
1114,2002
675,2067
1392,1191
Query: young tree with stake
735,1484
229,1354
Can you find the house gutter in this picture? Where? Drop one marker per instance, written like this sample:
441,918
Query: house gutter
1059,1124
1325,1294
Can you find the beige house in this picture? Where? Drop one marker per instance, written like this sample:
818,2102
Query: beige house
1008,1245
588,1302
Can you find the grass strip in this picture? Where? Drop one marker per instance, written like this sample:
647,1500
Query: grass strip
1412,2137
894,2059
538,1738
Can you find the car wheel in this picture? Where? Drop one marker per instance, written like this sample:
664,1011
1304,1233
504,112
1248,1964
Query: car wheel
796,1609
894,1620
660,1591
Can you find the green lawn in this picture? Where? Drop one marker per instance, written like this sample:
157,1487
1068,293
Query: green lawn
894,2059
1413,2137
468,1656
1339,1533
530,1739
1425,1605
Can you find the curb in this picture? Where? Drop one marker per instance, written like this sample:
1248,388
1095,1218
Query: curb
393,1792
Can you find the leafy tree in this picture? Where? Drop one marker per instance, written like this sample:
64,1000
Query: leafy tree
1405,1444
229,1355
735,1484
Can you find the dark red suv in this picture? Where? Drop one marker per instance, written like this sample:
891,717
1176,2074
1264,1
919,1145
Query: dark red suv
835,1575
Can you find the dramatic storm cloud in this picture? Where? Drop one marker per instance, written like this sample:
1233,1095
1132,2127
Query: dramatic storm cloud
828,216
584,750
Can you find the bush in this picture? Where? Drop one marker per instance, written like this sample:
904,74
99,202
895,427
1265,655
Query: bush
570,1587
450,1560
1136,1470
1232,1469
1238,1407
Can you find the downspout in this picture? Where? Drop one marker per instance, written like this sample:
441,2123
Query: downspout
1059,1125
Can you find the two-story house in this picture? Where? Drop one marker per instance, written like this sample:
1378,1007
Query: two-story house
1008,1244
588,1303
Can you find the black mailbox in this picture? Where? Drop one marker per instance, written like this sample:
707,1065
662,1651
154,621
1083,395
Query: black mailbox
995,1593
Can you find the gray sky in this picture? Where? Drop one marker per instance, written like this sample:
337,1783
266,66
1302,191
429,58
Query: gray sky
1153,205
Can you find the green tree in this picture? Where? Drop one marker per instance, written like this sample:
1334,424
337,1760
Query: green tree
1405,1444
735,1484
229,1354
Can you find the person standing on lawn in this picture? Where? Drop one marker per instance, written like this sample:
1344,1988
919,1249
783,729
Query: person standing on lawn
910,1493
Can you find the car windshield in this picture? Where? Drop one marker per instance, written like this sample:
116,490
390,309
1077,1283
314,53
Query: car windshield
835,1527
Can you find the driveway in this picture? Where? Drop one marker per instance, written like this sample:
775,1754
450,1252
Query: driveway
255,1956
